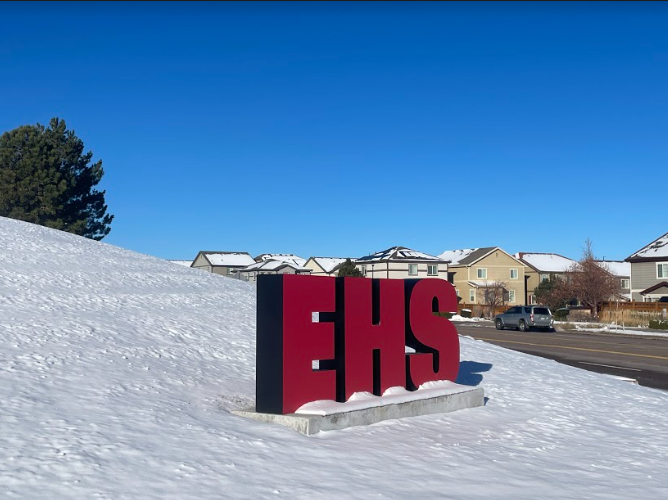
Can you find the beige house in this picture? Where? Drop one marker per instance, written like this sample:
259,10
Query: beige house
223,263
324,266
402,263
473,270
542,267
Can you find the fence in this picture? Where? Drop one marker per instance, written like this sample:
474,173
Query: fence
478,310
656,307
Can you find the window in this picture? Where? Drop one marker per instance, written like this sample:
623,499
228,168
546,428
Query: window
626,283
457,292
363,269
432,270
662,270
482,273
412,269
514,274
472,296
532,299
544,277
511,296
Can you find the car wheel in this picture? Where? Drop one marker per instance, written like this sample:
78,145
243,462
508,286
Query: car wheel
523,326
499,325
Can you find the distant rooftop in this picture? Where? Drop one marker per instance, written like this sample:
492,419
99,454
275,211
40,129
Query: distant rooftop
657,249
228,259
398,254
546,262
465,256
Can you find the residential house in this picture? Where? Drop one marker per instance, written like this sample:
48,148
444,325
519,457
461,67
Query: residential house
325,266
402,263
473,270
223,263
649,271
622,272
542,267
270,266
285,257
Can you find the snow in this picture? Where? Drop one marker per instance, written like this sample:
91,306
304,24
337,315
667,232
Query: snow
272,265
285,257
658,248
118,371
329,263
616,268
548,262
456,256
185,263
234,259
393,395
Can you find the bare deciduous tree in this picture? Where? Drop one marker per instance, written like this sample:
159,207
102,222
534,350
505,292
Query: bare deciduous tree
591,282
493,296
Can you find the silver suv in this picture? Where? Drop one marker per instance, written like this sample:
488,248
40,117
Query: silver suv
525,317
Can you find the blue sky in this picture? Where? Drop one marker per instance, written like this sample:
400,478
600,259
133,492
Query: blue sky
340,130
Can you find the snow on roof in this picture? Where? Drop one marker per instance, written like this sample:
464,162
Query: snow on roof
482,284
465,255
231,259
546,262
186,263
616,268
272,265
657,249
397,253
285,257
134,379
328,264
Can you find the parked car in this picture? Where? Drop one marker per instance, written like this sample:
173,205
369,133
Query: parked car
663,299
524,318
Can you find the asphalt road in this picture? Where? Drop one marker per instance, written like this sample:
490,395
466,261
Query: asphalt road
641,358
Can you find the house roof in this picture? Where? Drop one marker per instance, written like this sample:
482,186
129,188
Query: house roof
454,257
227,259
656,250
655,287
468,256
329,264
272,265
616,268
484,284
398,254
285,257
546,262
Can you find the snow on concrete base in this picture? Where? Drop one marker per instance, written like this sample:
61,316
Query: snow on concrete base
355,413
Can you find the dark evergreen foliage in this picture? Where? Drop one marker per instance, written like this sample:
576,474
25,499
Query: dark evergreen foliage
348,269
47,179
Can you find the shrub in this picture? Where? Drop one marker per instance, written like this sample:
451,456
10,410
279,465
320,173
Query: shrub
658,324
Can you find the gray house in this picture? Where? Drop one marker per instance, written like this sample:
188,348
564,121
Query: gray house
649,271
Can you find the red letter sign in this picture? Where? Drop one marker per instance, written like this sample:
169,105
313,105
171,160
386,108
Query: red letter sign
374,335
434,338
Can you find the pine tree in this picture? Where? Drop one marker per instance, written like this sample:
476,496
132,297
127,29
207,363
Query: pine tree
47,179
348,269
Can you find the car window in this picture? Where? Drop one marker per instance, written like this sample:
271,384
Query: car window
512,310
541,310
527,310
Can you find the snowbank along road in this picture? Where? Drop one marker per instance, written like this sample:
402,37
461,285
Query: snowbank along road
118,371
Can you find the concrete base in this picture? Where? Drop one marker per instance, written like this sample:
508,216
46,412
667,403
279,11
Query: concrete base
312,424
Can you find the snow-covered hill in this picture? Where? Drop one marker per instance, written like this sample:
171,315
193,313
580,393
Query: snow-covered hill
117,371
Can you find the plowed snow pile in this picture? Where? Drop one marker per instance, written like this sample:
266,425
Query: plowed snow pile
117,371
